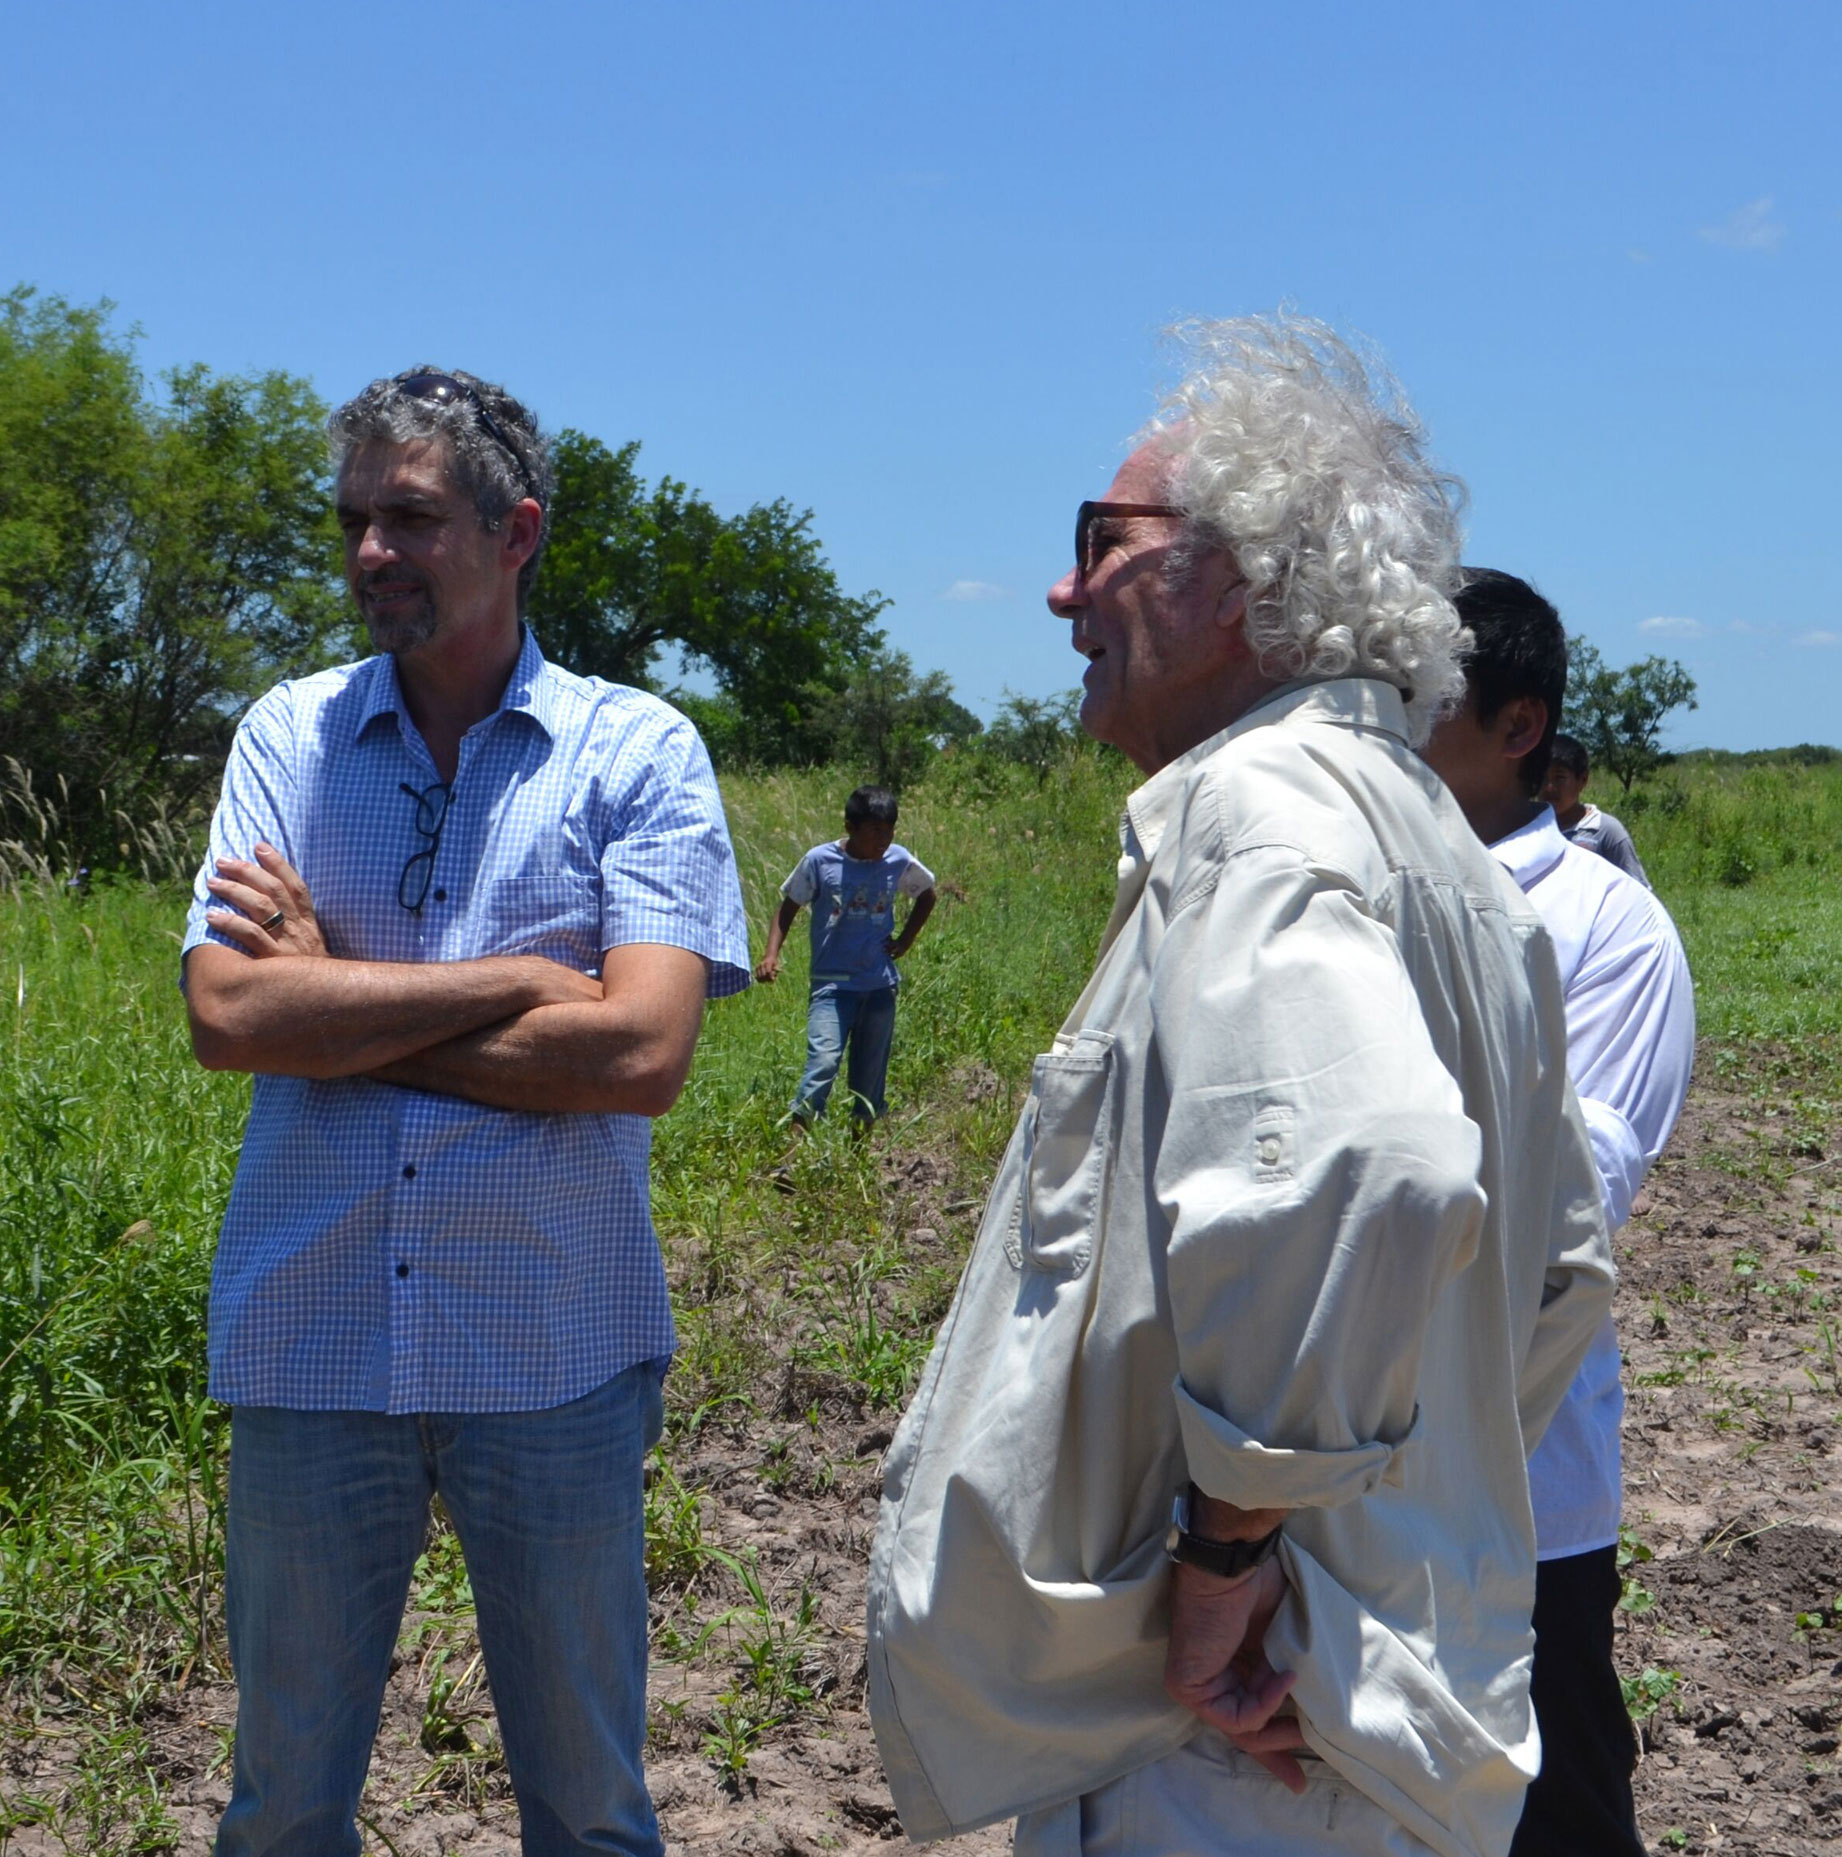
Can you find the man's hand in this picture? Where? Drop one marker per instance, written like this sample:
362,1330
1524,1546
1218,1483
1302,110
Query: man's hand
1217,1665
268,888
767,969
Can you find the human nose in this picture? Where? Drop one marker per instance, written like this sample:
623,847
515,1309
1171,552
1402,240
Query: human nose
374,549
1069,595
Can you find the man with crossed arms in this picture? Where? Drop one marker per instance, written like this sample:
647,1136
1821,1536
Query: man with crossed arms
460,915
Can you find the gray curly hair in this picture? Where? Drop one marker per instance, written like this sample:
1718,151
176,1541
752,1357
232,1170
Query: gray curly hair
495,471
1300,457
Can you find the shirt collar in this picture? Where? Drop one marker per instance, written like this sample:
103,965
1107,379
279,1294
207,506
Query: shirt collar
528,690
1347,702
1530,853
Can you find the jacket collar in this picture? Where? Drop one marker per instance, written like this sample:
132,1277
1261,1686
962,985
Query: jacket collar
1346,702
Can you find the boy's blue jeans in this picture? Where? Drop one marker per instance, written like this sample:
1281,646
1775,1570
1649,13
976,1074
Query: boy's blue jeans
328,1512
866,1021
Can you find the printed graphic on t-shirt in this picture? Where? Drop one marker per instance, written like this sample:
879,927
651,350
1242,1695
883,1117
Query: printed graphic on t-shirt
853,911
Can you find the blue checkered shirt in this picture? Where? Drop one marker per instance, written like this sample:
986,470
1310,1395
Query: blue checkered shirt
400,1251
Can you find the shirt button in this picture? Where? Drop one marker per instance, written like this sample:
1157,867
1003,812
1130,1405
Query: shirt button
1269,1152
402,1270
409,1172
441,896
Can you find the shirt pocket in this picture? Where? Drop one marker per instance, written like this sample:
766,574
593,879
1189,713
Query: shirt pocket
558,917
1067,1157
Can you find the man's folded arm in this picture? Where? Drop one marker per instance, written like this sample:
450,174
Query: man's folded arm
324,1018
627,1051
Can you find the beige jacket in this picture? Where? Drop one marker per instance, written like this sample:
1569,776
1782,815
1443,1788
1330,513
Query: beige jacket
1300,1206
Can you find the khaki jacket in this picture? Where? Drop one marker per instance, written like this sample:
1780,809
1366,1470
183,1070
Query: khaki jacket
1300,1206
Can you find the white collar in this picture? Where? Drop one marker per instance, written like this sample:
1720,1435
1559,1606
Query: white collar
1530,853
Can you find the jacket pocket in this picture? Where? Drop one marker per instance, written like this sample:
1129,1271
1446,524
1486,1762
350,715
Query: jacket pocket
1068,1156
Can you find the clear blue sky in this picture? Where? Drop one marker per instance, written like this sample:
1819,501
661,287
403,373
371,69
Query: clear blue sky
908,266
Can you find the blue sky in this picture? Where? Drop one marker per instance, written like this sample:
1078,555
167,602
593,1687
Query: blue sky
909,267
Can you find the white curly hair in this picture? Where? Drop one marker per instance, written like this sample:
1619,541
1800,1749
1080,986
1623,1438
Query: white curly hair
1300,456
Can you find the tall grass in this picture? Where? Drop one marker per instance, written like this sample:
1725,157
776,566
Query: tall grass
1749,860
799,1275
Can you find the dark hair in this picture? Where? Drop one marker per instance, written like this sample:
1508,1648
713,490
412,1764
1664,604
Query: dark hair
1572,755
1519,648
494,471
870,803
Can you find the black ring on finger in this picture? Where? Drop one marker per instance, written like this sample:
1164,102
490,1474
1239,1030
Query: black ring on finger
275,921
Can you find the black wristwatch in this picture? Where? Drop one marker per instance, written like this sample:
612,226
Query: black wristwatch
1225,1558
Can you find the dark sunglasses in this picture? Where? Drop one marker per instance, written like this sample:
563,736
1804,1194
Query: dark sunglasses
419,872
444,390
1088,512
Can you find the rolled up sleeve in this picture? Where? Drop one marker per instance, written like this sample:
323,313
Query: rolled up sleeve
1320,1179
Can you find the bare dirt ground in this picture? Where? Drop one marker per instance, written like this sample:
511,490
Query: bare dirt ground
1729,1309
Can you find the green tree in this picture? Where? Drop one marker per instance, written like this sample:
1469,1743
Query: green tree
631,572
1036,731
1619,715
889,722
163,559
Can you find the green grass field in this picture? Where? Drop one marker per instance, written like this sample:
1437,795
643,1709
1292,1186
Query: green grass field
116,1154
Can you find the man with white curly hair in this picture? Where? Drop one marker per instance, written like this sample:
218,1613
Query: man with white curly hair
1216,1477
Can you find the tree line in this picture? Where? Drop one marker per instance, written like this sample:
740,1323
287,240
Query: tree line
168,551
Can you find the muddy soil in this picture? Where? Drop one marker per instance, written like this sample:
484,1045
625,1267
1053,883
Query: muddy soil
1731,1313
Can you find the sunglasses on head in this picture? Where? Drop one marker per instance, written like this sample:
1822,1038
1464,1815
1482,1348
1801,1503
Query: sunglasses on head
445,390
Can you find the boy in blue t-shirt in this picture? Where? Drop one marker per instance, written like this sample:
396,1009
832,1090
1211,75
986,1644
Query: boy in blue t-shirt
852,885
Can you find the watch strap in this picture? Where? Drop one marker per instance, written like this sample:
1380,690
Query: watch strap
1226,1559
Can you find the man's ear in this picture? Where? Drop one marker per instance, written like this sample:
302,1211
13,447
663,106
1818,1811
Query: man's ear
1231,608
518,533
1520,725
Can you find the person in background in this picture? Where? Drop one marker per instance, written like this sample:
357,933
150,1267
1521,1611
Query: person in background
1630,1048
460,915
1208,1526
851,884
1582,824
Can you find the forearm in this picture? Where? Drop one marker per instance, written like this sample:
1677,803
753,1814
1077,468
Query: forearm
627,1053
324,1018
556,1060
768,967
1216,1520
918,912
784,918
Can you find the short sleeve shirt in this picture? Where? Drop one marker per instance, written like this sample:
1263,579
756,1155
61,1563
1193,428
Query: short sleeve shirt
853,912
401,1250
1599,831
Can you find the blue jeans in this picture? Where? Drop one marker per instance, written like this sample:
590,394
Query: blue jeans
866,1021
328,1512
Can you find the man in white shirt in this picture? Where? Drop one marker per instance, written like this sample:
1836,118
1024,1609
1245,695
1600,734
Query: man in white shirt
1298,1234
1630,1045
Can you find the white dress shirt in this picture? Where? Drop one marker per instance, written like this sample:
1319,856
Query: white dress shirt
1630,1047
